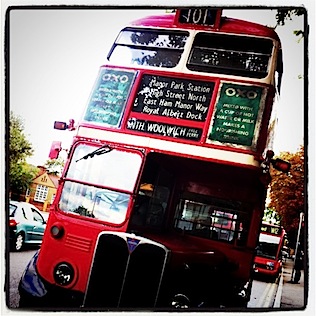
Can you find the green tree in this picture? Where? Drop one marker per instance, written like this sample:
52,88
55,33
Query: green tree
20,172
287,195
55,166
19,147
271,216
284,14
21,176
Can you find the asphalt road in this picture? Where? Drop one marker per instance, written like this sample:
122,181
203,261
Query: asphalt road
15,267
262,294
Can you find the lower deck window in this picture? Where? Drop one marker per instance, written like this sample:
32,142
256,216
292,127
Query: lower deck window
211,221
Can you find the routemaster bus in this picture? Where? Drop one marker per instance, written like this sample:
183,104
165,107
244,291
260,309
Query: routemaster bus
268,259
162,195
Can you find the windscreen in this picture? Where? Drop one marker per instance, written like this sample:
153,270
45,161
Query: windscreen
112,167
268,246
99,182
267,250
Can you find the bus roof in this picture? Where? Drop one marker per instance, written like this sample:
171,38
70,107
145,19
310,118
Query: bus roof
227,25
269,238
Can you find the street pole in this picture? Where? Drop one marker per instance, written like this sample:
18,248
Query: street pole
297,241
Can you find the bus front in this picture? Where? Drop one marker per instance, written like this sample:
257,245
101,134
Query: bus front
268,260
162,195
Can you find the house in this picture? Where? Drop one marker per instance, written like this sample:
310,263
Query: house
43,189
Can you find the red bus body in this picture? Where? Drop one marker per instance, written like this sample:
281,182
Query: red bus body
268,261
169,147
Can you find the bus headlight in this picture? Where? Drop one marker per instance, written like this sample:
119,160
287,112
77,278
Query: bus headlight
57,230
270,265
64,273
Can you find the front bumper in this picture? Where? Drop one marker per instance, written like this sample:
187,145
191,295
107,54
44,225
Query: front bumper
35,292
266,272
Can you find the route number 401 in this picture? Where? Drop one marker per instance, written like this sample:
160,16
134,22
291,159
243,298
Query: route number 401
198,16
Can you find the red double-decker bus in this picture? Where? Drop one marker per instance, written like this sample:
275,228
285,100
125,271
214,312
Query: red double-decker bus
268,260
162,195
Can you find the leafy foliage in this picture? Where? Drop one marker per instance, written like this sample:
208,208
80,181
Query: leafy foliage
20,172
21,176
284,14
288,191
19,147
55,166
271,216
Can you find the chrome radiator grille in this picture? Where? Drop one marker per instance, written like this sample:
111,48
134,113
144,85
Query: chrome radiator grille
126,272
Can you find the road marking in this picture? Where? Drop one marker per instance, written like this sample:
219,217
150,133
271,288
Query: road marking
267,297
263,296
270,296
277,301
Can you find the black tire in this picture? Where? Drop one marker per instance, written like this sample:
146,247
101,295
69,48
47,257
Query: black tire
23,302
27,301
19,242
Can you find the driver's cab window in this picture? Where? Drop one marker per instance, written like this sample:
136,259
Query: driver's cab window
151,203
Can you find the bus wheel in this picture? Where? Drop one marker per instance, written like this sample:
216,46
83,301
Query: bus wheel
26,301
29,301
19,242
180,301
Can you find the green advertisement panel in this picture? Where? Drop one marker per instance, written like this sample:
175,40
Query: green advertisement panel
236,115
108,99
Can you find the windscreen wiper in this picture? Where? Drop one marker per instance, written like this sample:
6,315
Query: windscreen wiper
99,151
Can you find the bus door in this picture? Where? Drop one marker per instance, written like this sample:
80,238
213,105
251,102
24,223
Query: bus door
156,186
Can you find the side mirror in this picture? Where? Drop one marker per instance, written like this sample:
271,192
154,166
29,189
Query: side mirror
63,125
54,150
60,125
281,165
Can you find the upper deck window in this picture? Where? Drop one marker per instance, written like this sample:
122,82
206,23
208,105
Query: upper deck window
148,47
232,55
